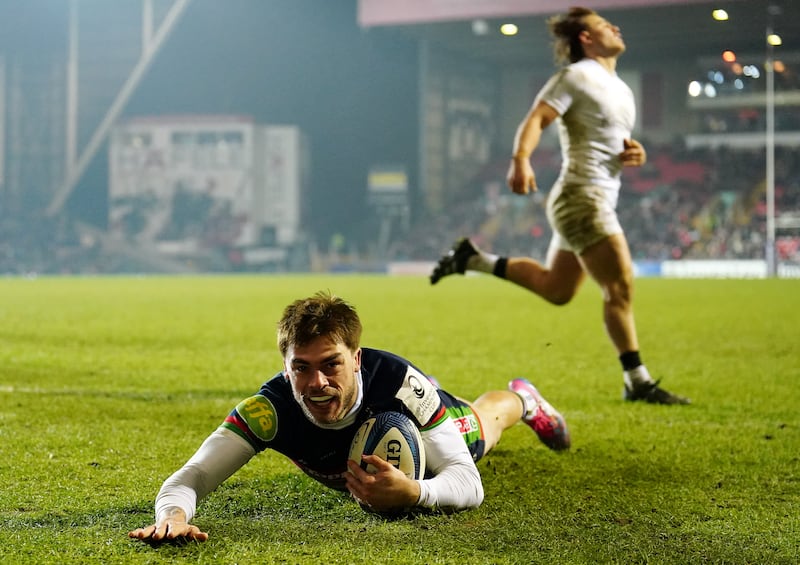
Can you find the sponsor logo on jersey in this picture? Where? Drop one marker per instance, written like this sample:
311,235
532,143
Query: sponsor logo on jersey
416,386
466,424
419,396
259,414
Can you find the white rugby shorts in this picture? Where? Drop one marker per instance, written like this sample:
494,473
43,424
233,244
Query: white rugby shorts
581,215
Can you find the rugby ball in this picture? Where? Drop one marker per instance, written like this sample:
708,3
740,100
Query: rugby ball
393,437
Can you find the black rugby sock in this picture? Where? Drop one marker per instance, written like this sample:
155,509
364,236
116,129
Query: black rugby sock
500,267
630,360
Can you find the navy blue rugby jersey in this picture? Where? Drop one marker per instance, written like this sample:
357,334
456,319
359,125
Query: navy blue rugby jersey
273,419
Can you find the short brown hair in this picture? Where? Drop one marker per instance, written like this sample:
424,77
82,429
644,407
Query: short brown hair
321,315
566,30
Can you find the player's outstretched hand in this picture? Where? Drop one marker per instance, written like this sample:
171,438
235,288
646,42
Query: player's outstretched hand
172,527
386,490
634,154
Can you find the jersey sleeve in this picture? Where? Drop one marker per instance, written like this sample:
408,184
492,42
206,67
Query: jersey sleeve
247,430
219,456
420,398
559,91
456,483
254,419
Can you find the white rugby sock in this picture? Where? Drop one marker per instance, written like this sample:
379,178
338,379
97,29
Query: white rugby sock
529,404
483,262
639,375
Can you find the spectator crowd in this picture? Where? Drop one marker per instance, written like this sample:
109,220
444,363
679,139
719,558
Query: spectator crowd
684,204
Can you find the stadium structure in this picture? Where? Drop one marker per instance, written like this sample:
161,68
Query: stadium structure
194,135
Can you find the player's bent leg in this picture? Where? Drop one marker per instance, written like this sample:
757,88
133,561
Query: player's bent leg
558,282
609,263
497,410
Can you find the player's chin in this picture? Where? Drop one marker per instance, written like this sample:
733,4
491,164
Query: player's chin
325,412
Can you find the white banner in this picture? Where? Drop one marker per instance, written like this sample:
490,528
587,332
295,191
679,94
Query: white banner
183,183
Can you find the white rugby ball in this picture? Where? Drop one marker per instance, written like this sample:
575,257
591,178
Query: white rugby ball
393,437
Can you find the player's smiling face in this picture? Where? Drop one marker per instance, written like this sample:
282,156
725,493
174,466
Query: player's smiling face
323,378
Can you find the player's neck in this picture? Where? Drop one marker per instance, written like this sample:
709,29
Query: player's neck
608,63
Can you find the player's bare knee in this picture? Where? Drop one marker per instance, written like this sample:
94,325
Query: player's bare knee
619,293
560,296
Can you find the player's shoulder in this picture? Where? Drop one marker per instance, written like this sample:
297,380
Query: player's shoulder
581,69
260,418
568,78
419,396
381,361
277,388
391,378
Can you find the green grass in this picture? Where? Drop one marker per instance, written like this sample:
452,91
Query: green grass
107,385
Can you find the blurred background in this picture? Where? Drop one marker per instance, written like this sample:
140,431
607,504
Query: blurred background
169,136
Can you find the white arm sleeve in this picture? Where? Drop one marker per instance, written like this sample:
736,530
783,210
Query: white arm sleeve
221,454
456,483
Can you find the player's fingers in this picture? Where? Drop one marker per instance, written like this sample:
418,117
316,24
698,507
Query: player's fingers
519,185
631,157
357,479
376,462
172,532
196,534
631,144
356,489
142,533
181,530
355,470
159,531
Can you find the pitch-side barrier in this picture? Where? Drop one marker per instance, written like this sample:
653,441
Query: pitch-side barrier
699,269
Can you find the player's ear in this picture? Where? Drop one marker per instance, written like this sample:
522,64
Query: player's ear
357,359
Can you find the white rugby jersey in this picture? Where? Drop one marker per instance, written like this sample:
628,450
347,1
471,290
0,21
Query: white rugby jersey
597,112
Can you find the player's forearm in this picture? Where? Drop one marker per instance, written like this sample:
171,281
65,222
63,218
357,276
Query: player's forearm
456,482
174,495
527,139
220,455
529,132
457,487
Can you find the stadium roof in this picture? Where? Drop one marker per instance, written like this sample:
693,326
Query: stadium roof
655,31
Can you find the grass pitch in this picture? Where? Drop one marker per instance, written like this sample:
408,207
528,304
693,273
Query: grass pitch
107,385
